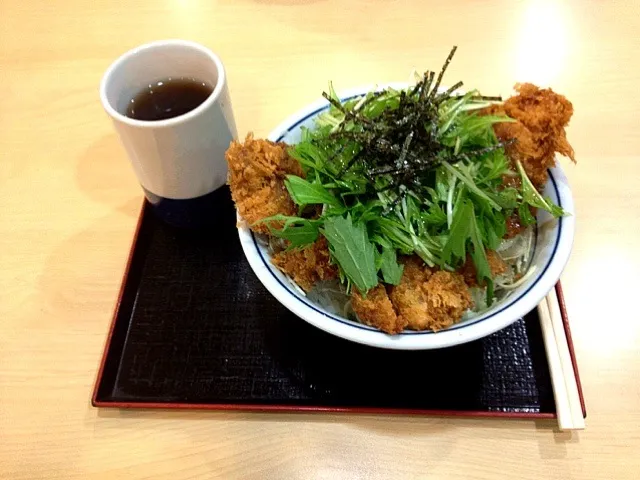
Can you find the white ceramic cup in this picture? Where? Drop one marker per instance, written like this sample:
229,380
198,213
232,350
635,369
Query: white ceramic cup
179,161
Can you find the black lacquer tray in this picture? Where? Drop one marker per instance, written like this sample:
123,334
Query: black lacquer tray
195,328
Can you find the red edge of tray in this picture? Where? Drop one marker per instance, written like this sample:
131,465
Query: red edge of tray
311,408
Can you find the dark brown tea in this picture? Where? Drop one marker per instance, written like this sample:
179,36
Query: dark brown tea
168,98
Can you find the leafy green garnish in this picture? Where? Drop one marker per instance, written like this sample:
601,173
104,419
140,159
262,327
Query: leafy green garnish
526,217
478,254
305,193
532,197
465,178
456,245
353,251
416,171
391,270
465,235
298,231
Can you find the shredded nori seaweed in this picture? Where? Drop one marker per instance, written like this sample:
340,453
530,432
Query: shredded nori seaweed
401,145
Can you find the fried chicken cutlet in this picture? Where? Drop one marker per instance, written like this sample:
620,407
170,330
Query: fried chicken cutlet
427,299
257,169
424,299
376,310
541,117
308,265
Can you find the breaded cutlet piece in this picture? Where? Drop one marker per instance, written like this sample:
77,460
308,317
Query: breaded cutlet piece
375,309
257,169
429,300
307,265
469,273
542,116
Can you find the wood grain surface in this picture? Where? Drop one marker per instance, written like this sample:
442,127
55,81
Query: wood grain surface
69,201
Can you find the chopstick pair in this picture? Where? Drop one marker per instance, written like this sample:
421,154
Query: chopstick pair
563,378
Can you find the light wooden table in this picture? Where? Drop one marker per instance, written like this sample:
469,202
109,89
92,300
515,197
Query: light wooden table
69,200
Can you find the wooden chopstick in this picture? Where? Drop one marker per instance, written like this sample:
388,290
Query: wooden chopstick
563,378
567,364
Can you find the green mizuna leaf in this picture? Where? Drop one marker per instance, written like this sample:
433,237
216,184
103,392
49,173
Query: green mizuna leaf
349,244
471,185
298,231
531,196
391,269
299,236
456,247
525,215
478,254
305,193
479,257
464,231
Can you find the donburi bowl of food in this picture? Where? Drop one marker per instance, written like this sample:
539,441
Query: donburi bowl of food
409,216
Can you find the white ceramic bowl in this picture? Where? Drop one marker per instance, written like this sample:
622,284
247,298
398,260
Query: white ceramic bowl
553,246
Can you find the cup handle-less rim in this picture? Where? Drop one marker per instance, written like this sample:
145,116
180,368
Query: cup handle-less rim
170,122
